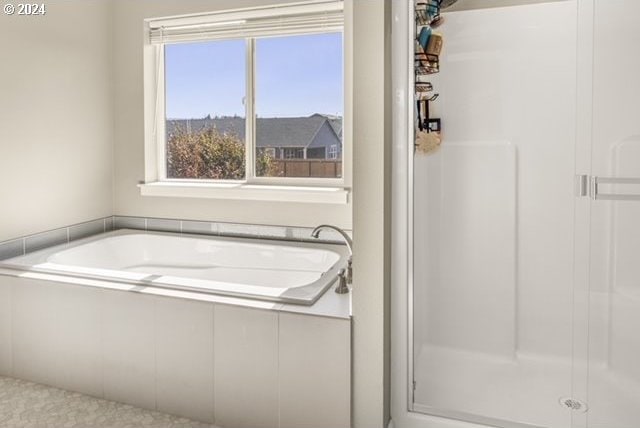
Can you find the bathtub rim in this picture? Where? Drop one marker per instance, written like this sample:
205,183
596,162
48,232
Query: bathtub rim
315,289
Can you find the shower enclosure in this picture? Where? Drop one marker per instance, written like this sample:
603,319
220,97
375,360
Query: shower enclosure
516,245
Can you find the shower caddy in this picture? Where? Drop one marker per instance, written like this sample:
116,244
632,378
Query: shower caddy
428,46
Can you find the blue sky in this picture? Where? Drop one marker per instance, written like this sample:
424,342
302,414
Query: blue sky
295,76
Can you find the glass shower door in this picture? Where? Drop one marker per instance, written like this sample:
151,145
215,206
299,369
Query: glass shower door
526,276
613,351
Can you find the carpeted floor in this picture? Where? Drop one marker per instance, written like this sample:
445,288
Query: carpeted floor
29,405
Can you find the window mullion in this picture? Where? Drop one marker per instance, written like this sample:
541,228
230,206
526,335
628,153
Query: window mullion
250,121
160,115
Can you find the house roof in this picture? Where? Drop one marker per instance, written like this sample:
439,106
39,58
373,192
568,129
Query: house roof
335,122
270,132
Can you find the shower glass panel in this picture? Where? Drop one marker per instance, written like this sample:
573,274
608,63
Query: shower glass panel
613,369
493,221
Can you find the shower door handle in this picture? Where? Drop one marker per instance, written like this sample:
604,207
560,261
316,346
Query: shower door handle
597,194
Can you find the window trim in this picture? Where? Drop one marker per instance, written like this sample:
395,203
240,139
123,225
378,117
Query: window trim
155,131
242,191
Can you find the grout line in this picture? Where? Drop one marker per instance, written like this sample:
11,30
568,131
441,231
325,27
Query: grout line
155,351
213,362
103,310
12,335
278,374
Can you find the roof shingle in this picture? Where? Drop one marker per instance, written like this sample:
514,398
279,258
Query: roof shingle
270,132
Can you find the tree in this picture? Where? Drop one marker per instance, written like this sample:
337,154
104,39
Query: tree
208,154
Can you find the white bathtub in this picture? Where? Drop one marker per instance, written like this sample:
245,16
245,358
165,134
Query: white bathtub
261,269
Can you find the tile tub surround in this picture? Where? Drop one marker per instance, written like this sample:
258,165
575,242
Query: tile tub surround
28,244
203,360
241,230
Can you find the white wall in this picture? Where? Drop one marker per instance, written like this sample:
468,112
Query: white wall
55,117
129,132
371,180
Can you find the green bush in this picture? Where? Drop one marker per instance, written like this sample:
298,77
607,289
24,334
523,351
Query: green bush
208,154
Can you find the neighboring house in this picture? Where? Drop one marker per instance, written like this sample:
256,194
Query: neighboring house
335,122
314,137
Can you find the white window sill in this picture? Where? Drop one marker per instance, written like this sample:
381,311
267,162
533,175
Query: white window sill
251,192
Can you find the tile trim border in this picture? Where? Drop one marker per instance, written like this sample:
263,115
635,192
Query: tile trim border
62,235
38,241
239,230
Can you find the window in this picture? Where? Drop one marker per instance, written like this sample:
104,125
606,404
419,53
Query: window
251,96
299,101
293,153
205,125
333,152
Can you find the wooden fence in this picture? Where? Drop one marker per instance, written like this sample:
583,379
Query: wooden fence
315,168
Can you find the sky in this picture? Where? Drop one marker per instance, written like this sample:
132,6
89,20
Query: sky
295,76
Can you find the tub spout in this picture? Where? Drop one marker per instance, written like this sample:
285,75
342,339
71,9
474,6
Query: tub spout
347,240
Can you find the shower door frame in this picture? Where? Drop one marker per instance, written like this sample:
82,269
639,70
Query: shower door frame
403,413
402,410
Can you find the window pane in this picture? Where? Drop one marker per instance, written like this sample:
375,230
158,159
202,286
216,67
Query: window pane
205,123
299,106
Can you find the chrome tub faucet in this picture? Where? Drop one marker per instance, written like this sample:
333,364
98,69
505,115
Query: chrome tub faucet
344,280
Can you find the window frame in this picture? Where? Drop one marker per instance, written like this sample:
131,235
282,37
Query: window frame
291,153
333,152
155,129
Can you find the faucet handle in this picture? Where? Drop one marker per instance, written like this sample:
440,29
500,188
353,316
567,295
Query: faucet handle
342,287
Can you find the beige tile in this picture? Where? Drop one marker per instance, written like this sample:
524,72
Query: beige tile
76,350
129,349
184,358
56,335
34,330
315,372
246,367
